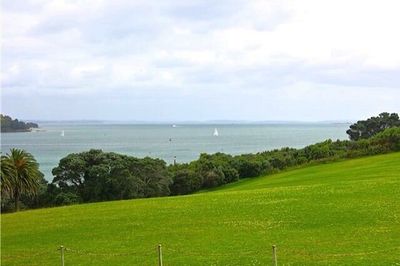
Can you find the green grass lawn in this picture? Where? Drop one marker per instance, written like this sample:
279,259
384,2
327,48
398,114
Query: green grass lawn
344,213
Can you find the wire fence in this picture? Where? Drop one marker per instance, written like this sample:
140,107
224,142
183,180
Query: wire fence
108,254
157,252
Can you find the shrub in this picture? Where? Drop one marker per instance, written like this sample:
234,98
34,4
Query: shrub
66,198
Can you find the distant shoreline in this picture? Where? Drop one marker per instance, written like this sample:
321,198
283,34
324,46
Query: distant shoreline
10,125
33,129
200,123
18,131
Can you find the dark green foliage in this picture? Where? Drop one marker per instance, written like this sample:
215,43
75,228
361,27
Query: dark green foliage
152,175
319,151
66,198
40,199
13,125
248,165
209,168
213,178
97,176
364,129
185,181
230,174
389,139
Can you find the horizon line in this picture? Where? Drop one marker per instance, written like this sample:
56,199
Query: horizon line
222,121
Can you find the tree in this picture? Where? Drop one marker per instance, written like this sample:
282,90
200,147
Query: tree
389,139
20,175
69,174
185,181
209,171
153,176
364,129
5,175
248,166
97,176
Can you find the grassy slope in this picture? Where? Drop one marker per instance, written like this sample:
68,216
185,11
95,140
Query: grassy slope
339,213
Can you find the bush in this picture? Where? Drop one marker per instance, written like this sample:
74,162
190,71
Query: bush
230,174
390,139
185,181
247,166
66,198
213,178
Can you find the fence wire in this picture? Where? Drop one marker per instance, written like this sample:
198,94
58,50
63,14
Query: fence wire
165,250
168,250
108,254
202,254
30,255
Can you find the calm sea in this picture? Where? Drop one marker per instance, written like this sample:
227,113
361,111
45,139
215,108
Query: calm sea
185,142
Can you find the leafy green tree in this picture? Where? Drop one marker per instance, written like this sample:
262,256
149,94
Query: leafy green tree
20,175
210,171
97,176
388,139
70,173
185,181
213,178
319,150
66,198
226,164
153,175
248,165
364,129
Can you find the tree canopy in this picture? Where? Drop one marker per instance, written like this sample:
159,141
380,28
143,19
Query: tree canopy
364,129
97,176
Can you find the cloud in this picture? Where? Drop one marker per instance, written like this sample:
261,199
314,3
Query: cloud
187,54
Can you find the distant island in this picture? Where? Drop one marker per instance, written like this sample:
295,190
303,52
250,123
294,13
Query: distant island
14,125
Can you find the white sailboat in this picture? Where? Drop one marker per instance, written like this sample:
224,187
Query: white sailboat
216,134
62,133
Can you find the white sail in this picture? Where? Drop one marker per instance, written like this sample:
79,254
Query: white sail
62,133
216,134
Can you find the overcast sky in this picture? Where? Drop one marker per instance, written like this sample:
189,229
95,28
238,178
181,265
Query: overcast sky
200,60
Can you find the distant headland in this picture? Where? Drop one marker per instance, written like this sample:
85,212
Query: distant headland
14,125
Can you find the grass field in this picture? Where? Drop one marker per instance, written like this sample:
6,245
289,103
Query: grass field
344,213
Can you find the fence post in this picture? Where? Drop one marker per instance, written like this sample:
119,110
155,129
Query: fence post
274,259
62,255
160,263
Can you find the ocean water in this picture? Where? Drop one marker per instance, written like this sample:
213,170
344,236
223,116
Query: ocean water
185,142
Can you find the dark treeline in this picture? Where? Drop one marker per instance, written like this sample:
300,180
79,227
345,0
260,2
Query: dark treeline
14,125
95,175
365,129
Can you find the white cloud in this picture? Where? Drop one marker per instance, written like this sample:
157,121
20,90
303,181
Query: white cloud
190,50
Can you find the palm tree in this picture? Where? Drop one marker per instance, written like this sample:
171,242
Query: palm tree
20,175
5,175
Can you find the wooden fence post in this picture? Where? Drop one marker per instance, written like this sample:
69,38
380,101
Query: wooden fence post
274,259
160,262
62,255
